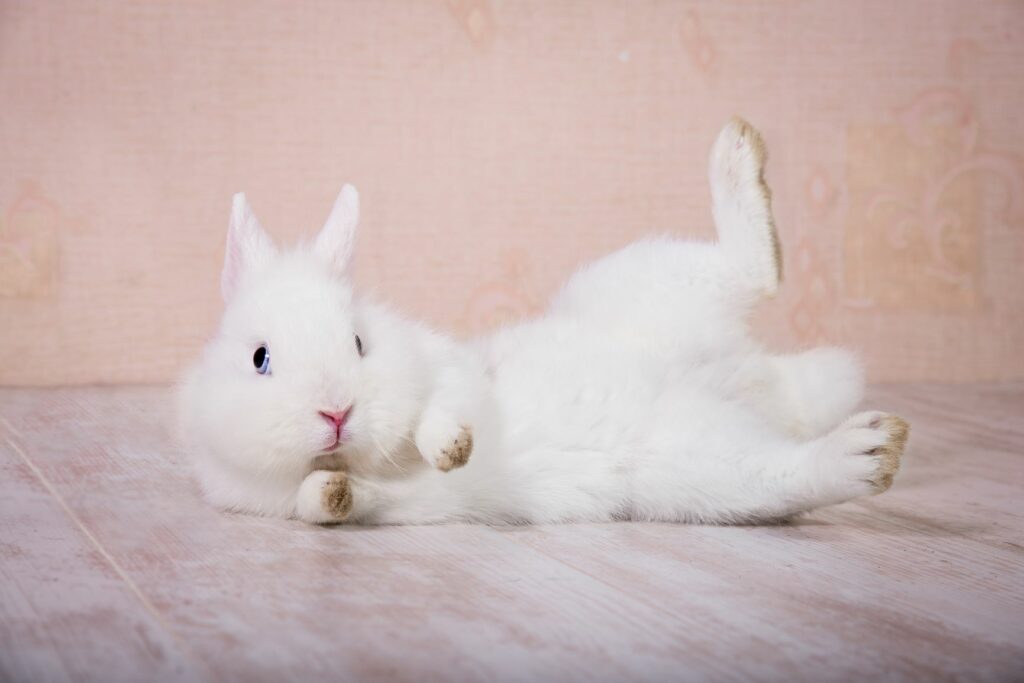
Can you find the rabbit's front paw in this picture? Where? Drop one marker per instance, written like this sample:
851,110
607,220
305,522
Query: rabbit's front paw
445,446
325,497
458,451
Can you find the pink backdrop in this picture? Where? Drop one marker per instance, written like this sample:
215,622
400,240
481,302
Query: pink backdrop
498,144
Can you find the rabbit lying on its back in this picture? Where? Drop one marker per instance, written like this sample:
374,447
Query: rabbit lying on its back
638,395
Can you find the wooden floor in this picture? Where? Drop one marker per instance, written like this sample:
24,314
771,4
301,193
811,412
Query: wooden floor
112,568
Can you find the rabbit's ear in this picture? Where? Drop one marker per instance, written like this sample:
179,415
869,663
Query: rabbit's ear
248,246
338,236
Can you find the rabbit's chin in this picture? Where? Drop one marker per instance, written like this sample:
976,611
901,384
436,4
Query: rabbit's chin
387,459
333,461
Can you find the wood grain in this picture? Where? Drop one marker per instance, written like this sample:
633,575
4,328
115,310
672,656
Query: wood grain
68,610
114,569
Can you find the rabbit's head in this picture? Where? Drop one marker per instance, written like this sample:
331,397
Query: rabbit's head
299,369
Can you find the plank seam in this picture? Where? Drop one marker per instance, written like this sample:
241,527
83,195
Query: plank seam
148,606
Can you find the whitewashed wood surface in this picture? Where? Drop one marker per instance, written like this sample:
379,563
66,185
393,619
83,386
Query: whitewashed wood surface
112,568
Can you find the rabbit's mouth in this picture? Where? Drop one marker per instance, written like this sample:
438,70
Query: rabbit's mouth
337,421
337,440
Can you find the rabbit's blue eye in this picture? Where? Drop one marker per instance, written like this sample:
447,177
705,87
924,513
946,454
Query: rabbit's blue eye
261,360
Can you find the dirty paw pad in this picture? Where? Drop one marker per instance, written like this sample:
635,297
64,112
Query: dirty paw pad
457,454
336,496
889,454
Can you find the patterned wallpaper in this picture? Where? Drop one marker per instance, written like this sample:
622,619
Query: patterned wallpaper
498,144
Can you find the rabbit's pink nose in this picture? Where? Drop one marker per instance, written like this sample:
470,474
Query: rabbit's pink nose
336,418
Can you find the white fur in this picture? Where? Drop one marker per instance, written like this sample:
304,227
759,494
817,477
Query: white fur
638,395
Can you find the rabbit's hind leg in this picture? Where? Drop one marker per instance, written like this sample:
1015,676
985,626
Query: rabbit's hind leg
670,286
747,478
741,203
803,394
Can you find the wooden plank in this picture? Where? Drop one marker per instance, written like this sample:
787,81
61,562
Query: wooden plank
924,582
271,599
921,583
66,613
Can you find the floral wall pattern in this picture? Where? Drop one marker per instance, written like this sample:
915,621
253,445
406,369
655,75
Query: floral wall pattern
499,144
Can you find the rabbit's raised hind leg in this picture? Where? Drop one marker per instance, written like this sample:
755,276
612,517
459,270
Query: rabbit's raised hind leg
741,204
674,287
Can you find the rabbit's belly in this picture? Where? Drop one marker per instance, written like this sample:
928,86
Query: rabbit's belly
576,399
565,388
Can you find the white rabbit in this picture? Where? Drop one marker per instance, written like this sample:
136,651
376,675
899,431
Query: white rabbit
638,395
